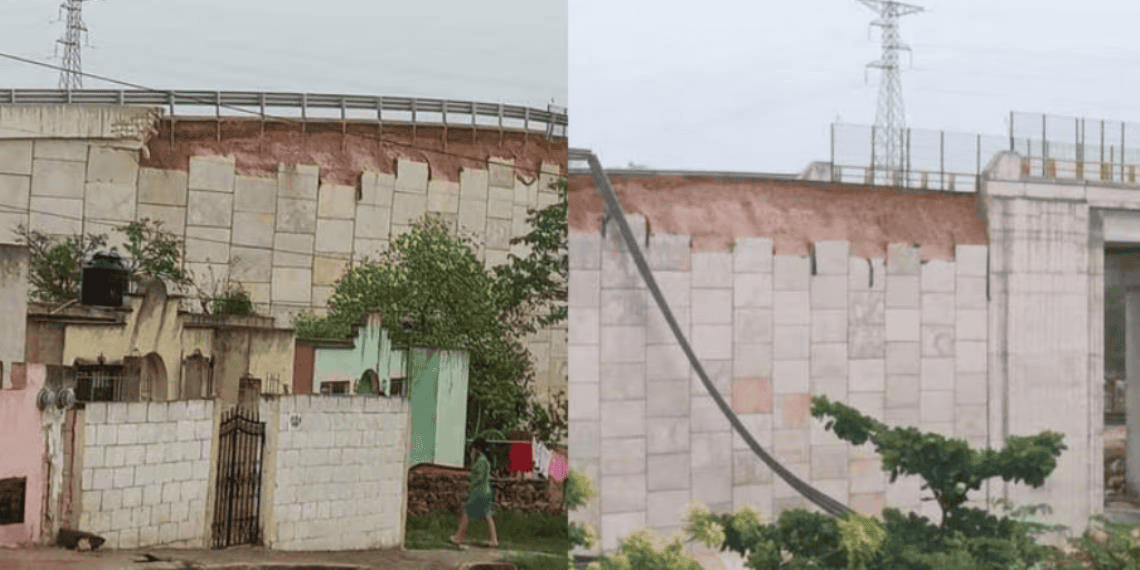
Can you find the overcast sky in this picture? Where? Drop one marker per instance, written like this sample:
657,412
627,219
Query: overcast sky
508,51
754,86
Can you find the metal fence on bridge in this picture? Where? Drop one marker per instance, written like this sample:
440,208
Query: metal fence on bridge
269,105
929,159
1073,148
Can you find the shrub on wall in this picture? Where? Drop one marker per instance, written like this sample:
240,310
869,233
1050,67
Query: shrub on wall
234,302
55,263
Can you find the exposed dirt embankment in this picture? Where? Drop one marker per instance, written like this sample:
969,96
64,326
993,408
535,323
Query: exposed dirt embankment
259,148
794,213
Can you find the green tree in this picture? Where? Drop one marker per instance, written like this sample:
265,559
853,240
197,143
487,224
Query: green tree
948,466
55,263
153,252
430,279
55,270
963,538
531,291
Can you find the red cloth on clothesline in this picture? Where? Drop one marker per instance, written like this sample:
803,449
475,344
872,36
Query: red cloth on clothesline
522,457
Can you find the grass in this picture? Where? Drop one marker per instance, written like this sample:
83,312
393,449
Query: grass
518,531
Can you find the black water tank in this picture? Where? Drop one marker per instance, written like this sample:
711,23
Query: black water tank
104,281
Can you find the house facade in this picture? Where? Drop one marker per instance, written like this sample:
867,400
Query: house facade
151,350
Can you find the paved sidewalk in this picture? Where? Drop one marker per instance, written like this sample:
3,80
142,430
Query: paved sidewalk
241,558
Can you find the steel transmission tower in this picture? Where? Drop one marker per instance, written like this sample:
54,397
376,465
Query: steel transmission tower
890,118
69,76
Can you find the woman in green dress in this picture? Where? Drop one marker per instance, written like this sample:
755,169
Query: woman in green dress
480,497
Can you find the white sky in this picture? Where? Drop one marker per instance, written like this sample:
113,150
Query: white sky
495,51
753,86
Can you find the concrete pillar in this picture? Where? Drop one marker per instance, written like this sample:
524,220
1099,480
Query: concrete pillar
1132,392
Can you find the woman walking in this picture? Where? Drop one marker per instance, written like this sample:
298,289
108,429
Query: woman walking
480,497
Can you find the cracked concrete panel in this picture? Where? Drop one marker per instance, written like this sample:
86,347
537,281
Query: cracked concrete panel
58,178
327,270
113,165
110,202
212,209
255,194
16,157
372,222
293,250
411,176
298,182
207,244
473,184
443,196
337,201
334,236
173,218
162,187
407,208
75,151
55,215
254,229
473,216
251,264
15,190
501,172
296,216
499,234
292,285
213,173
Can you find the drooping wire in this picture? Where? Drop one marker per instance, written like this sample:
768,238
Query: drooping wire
817,497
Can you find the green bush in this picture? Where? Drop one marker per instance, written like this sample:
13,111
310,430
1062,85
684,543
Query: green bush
643,550
235,302
1104,546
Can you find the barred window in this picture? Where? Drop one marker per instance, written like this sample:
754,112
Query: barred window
334,387
106,383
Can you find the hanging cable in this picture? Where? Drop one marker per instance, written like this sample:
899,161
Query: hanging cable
818,498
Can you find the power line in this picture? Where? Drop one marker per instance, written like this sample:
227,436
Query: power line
71,75
6,209
290,120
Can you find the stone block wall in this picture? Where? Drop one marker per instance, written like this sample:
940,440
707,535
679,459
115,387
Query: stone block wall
287,237
339,472
897,338
431,492
146,472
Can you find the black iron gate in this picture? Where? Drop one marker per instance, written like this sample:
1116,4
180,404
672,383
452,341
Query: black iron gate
237,503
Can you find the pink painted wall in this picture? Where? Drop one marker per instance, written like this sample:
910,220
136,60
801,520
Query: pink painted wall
22,448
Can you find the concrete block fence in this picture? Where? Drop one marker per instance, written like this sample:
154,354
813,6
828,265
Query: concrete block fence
146,472
337,472
334,472
897,338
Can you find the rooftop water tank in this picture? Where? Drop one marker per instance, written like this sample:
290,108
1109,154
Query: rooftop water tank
104,280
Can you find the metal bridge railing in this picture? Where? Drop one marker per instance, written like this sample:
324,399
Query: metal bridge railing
421,111
1073,148
928,159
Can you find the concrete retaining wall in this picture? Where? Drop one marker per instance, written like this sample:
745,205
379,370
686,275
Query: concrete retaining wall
902,340
286,237
339,472
146,472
